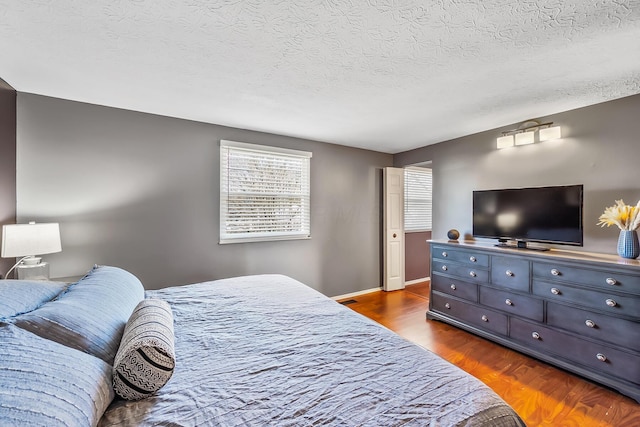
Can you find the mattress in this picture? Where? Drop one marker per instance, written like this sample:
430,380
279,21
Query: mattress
268,350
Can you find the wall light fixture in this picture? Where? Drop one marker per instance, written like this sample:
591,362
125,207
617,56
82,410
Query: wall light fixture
526,134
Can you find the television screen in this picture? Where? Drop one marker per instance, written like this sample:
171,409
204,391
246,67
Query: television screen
540,214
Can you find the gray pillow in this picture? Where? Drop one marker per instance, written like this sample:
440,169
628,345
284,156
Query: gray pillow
43,383
90,315
146,357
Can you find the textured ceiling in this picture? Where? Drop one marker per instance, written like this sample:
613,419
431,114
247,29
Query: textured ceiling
385,75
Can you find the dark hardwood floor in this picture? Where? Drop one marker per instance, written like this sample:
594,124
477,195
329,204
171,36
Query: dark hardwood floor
541,394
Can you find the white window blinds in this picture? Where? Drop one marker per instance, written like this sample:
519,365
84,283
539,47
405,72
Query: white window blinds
417,199
264,193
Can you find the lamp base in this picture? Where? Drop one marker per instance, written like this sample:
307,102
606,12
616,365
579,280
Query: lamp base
38,271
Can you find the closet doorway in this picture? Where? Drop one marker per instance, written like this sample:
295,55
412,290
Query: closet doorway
418,201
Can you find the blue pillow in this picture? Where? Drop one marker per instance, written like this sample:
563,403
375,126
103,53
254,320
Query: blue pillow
21,296
43,383
90,315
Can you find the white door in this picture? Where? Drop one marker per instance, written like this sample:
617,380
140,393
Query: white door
393,219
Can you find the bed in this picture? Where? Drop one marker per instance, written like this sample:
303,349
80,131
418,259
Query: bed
249,351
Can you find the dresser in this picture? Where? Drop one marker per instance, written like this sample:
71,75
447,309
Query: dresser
579,311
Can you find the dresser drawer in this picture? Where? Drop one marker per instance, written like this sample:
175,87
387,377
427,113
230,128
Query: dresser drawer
510,272
599,357
520,305
605,279
460,270
463,257
614,304
456,287
480,317
622,332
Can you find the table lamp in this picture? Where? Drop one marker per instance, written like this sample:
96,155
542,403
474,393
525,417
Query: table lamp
27,241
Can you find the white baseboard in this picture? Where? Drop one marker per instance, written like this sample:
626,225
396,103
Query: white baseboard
413,282
368,291
355,294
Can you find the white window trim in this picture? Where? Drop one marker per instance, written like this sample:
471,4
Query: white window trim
267,148
267,236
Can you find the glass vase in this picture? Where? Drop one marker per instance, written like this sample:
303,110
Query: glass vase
628,246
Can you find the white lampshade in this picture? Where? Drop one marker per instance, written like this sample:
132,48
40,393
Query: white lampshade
20,240
550,133
524,138
505,141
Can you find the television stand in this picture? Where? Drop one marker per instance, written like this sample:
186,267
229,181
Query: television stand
502,243
519,245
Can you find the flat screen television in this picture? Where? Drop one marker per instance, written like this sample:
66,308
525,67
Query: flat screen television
538,214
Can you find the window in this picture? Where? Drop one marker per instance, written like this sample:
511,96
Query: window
417,199
264,193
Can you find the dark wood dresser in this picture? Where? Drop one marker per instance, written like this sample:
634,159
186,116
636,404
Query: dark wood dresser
579,311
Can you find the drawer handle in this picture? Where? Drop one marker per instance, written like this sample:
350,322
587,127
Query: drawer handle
508,301
590,323
472,259
535,335
447,305
601,357
445,254
472,274
509,273
611,303
444,268
485,318
555,271
453,287
555,291
611,281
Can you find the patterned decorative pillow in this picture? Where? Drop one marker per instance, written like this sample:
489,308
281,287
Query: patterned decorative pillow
89,315
43,383
146,357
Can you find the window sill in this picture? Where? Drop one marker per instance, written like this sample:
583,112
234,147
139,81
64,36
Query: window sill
261,239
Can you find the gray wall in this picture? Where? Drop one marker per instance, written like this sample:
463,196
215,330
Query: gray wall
7,162
600,149
140,191
417,255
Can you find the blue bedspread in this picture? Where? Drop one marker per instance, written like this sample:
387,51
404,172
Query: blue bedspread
270,351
